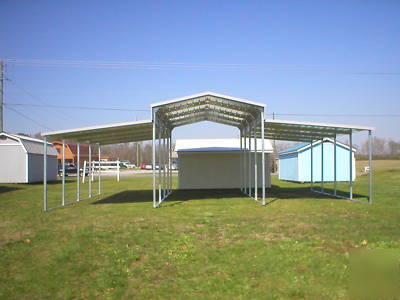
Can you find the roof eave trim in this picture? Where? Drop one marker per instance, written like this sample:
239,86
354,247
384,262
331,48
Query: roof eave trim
90,128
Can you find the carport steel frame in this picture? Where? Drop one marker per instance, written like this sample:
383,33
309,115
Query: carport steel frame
247,116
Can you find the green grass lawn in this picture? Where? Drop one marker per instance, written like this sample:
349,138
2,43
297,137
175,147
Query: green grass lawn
199,244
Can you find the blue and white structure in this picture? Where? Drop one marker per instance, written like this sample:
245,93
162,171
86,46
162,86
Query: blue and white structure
295,162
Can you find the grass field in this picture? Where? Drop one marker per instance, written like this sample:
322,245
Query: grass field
200,244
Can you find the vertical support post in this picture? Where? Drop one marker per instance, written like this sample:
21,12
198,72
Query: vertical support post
334,167
249,166
78,166
312,166
154,160
322,165
351,165
45,174
164,153
84,173
99,168
118,169
244,160
160,129
370,197
63,173
255,161
90,170
240,158
263,157
170,161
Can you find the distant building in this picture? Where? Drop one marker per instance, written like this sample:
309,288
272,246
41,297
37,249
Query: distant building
21,159
216,163
295,162
71,152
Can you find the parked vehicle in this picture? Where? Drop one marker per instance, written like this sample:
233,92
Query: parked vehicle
128,164
70,169
142,167
149,167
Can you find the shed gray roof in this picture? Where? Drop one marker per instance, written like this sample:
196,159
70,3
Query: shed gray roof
31,145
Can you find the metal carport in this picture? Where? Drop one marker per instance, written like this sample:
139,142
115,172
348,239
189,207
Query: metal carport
247,116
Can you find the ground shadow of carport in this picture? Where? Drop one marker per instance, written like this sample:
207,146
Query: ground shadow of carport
179,196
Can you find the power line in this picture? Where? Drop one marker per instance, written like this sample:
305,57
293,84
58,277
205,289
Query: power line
29,118
147,110
208,66
35,98
337,115
76,107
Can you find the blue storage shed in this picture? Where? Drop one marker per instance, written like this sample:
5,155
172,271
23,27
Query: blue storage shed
295,162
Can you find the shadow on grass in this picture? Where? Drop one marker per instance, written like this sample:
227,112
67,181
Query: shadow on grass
6,189
179,196
303,192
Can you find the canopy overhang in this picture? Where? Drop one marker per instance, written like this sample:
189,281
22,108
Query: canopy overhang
306,131
106,134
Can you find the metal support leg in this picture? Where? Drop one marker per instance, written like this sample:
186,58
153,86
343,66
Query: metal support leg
351,165
244,161
78,166
312,165
263,158
370,197
255,162
322,165
45,174
63,173
249,158
99,165
334,167
160,196
90,171
168,164
241,162
164,153
170,161
154,161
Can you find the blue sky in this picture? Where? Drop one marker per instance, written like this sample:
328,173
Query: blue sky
319,57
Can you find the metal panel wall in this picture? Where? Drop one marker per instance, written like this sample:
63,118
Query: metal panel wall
215,170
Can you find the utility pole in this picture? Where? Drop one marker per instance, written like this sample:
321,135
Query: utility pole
1,96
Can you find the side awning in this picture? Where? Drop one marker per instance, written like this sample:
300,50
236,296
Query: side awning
307,131
106,134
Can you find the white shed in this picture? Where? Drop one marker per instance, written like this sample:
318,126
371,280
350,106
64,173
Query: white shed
21,159
216,163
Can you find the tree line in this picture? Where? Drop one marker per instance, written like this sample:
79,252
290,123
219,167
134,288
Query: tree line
141,152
